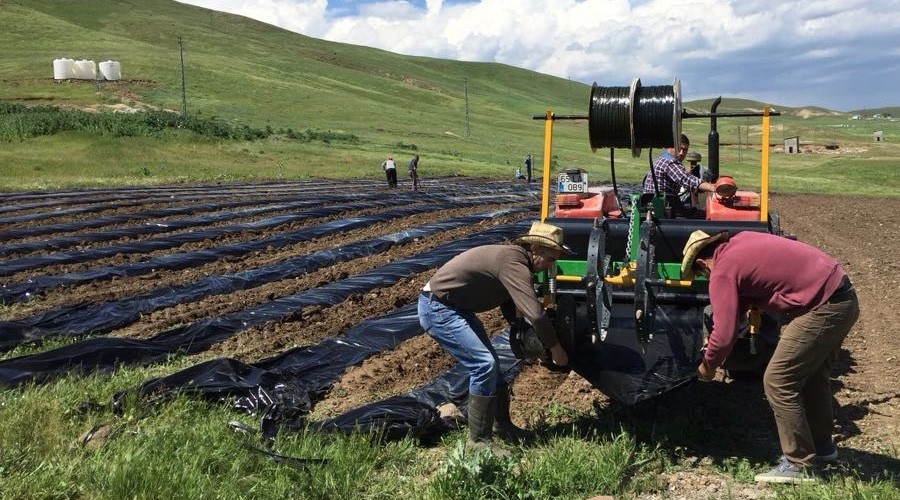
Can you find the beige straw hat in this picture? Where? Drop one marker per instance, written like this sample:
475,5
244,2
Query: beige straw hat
546,235
696,241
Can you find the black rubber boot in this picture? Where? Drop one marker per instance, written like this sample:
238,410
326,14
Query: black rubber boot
481,424
504,428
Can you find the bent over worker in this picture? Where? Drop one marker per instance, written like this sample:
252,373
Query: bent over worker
478,280
810,289
390,171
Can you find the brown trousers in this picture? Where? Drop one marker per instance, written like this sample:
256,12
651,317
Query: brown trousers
798,378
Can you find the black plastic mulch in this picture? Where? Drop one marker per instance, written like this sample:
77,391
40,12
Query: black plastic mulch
104,354
83,319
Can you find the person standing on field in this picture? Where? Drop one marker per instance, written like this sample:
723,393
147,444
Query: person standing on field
528,162
390,171
810,289
414,172
479,280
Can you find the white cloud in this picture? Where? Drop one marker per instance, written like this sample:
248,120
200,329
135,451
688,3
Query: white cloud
794,52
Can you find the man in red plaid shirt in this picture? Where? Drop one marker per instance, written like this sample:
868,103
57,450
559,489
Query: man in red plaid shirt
670,175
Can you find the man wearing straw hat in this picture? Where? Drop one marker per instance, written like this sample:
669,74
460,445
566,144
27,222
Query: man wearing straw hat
478,280
809,289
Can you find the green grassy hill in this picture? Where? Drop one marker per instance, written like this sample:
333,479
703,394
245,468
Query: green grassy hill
893,111
461,117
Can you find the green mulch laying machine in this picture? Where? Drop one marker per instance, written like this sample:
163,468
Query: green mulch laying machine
631,325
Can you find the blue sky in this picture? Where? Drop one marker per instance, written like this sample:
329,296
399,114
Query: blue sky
837,54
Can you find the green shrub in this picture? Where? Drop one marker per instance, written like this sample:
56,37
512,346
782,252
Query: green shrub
19,122
476,475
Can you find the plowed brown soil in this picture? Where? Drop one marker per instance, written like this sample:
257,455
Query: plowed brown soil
731,414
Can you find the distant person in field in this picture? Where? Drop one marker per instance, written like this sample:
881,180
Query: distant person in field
519,175
528,164
479,280
413,169
390,171
667,176
808,287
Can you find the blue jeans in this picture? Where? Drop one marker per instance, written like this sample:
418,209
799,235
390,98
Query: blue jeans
462,335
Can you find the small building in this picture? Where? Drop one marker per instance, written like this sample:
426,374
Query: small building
792,145
878,136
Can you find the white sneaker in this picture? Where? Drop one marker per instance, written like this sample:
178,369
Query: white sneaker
786,472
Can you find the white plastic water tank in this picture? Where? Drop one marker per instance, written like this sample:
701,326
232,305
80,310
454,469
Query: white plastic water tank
85,69
63,69
111,70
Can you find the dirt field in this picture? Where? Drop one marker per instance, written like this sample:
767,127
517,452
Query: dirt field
862,233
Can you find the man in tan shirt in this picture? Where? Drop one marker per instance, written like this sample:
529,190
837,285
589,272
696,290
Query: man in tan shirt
478,280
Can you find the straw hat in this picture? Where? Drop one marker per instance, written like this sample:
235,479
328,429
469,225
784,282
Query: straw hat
545,235
693,156
696,241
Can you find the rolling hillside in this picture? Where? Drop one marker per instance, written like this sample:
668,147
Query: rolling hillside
258,74
464,118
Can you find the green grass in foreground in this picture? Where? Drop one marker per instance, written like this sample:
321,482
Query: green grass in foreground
186,449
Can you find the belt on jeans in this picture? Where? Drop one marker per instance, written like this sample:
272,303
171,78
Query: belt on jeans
842,291
429,295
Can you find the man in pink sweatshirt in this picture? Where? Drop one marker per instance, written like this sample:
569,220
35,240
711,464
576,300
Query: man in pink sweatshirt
813,293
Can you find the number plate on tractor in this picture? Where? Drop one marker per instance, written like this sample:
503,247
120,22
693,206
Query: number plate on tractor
572,183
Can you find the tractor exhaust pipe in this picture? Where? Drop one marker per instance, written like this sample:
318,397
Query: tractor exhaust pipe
712,153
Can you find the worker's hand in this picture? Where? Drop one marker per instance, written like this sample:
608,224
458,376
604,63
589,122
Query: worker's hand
559,355
705,373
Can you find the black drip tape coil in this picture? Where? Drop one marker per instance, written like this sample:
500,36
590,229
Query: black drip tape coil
635,117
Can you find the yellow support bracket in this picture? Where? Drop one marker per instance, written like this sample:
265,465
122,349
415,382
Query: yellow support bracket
625,276
545,181
764,168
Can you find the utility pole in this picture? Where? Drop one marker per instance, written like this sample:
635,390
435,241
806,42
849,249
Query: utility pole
183,93
466,85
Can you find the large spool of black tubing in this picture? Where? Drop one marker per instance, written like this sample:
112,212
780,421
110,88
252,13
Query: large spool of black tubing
656,115
609,117
635,117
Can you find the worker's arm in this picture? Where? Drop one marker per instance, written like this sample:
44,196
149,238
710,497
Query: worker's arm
543,327
559,355
548,338
704,372
723,296
518,281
